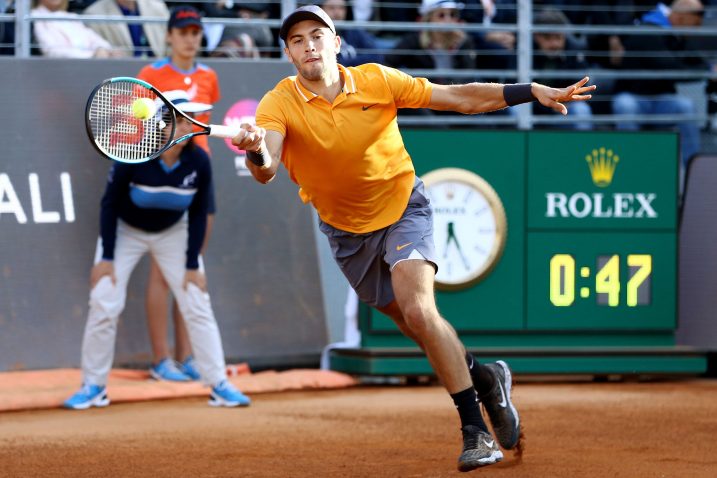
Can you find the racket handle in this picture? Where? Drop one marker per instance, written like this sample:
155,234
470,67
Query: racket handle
223,131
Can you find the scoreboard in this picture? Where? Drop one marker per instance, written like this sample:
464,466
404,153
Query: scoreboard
602,231
550,241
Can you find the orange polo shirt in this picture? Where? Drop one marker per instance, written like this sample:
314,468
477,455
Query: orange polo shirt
348,157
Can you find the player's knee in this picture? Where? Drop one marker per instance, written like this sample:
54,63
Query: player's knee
419,318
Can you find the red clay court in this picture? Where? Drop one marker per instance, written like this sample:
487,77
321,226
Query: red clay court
573,429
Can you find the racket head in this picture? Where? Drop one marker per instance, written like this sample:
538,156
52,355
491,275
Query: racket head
114,130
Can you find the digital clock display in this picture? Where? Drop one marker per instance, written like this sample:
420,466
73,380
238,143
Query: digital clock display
600,280
615,279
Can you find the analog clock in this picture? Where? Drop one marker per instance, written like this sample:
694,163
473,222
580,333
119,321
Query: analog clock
469,226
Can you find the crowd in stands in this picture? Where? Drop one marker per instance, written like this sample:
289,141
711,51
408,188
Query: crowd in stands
486,50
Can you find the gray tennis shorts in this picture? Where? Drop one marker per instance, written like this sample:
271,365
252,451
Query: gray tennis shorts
367,259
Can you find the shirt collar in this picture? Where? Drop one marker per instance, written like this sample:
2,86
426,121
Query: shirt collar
349,85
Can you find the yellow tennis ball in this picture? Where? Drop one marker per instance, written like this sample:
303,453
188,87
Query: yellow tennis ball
143,108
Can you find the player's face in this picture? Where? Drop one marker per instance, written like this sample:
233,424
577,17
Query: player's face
185,42
312,48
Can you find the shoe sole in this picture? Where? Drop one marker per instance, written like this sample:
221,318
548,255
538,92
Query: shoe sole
220,402
494,458
99,402
157,376
508,386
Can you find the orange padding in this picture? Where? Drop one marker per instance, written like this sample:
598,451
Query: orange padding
49,388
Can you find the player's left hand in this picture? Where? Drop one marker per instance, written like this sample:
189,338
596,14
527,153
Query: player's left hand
555,97
250,137
196,277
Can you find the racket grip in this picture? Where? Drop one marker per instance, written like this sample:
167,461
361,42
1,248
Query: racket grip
223,131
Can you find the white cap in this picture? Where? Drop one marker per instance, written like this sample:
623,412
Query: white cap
427,6
180,99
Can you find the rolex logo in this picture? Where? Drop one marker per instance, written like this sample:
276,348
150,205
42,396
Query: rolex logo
602,163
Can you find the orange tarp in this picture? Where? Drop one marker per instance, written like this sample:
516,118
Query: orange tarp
49,388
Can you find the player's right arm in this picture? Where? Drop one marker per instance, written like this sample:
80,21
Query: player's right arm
258,142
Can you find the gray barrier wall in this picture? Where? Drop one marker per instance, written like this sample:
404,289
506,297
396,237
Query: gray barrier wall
262,257
697,278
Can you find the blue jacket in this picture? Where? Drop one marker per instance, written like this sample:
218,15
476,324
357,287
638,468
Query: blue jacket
152,197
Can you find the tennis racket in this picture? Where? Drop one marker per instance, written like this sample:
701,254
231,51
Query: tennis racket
118,134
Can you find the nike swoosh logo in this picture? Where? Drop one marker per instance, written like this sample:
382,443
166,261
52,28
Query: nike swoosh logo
489,443
503,402
398,248
364,108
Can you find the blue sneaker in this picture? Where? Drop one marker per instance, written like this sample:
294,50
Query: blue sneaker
167,370
88,396
189,368
224,394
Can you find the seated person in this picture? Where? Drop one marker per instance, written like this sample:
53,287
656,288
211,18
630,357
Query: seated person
357,46
655,52
236,43
435,49
553,51
496,49
261,36
67,38
132,39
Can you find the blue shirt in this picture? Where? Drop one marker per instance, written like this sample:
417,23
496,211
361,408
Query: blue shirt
152,197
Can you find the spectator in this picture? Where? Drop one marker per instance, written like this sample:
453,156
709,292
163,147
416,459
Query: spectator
68,38
180,71
553,51
261,35
398,11
496,49
435,49
132,39
655,52
157,207
7,31
236,43
361,10
357,46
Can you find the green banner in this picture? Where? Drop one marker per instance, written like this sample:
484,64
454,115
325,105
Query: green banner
602,180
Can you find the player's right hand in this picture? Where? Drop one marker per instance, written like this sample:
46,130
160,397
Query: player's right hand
250,137
101,269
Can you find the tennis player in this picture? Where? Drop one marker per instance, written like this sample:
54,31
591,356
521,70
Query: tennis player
335,130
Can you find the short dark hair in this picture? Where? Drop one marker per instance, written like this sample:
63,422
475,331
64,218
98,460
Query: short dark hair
550,16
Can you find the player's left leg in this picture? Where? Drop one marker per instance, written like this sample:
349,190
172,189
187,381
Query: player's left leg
412,282
492,381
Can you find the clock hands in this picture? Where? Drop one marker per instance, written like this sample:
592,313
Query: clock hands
452,236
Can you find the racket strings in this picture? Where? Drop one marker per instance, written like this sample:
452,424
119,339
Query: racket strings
117,132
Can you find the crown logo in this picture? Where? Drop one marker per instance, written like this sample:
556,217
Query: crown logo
602,163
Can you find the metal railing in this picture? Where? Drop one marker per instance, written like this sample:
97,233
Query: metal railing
524,72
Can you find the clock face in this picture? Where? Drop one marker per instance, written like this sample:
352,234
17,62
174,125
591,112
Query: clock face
469,226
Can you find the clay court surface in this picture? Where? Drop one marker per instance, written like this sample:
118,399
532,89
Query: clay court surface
574,429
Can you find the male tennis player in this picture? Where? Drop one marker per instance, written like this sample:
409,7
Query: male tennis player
335,130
